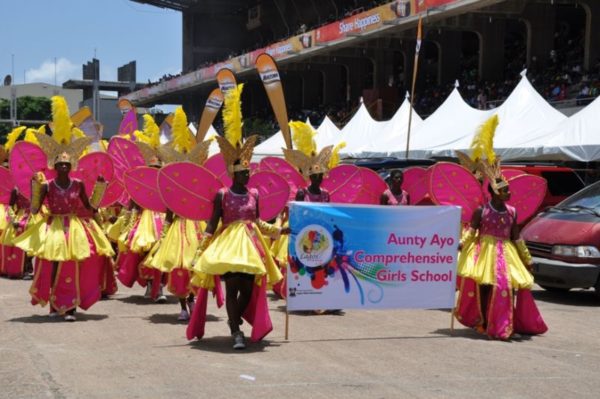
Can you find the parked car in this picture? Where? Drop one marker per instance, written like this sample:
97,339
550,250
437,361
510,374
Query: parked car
564,241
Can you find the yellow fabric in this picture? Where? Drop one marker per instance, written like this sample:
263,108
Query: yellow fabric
233,250
113,231
483,271
10,233
49,241
279,248
177,248
145,235
3,220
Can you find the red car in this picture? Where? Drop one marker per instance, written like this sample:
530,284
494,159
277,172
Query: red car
564,241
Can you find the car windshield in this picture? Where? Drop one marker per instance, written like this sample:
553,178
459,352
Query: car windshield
588,198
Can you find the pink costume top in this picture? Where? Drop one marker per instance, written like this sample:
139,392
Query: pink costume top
64,201
497,224
393,199
310,197
239,206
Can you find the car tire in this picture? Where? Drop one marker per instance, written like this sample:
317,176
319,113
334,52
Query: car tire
597,288
555,289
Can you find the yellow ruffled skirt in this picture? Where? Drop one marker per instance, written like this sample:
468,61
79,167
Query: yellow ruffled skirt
177,248
64,237
3,218
114,230
145,233
478,262
279,249
233,250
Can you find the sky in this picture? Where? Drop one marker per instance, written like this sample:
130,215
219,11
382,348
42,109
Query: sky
39,34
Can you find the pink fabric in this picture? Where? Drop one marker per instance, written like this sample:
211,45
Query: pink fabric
468,310
497,224
42,282
13,261
528,319
239,206
499,311
393,199
63,201
218,292
109,281
127,264
65,293
179,282
257,312
195,327
91,273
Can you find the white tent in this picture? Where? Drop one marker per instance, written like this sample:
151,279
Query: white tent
390,140
327,134
450,127
576,137
360,132
525,120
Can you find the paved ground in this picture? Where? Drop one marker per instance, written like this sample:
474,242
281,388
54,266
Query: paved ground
126,347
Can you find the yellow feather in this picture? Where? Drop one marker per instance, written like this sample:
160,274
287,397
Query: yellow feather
30,136
151,131
232,115
182,138
483,142
335,155
303,136
42,129
61,122
13,136
77,132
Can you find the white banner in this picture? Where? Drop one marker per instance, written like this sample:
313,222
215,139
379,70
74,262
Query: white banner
372,257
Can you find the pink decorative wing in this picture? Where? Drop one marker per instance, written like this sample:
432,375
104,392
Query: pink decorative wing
274,193
254,167
91,166
526,194
216,164
142,185
129,124
286,170
26,159
125,155
510,173
343,183
188,190
371,188
114,192
416,183
452,184
6,185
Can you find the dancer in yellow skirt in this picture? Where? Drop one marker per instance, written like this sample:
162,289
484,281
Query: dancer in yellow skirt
237,250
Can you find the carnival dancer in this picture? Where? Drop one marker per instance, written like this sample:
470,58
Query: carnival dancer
497,260
140,228
174,253
15,263
69,250
237,250
395,195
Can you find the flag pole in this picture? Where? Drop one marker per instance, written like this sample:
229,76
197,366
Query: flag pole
414,80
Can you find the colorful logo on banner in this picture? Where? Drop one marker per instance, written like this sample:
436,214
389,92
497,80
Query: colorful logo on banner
403,257
314,246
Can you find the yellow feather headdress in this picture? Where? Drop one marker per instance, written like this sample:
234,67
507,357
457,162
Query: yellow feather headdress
62,146
484,158
183,147
13,136
305,157
231,146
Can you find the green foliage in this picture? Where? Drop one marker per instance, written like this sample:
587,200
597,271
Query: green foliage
28,108
258,126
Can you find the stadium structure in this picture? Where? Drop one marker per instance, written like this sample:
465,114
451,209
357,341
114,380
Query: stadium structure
333,51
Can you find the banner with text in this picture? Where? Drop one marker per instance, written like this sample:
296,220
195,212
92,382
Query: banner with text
372,257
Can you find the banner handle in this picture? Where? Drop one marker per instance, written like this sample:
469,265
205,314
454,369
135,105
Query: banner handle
287,320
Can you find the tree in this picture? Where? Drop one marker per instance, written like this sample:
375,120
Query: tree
28,108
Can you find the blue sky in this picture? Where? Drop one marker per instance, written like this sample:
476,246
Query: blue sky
72,31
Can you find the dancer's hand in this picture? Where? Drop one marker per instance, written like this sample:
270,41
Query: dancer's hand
286,230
